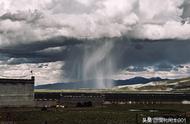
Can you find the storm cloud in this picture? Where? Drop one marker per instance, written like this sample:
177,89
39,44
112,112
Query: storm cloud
25,21
163,55
132,33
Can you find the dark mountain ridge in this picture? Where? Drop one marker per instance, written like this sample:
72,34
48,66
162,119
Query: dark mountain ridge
91,84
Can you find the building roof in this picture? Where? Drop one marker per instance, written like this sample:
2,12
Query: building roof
17,81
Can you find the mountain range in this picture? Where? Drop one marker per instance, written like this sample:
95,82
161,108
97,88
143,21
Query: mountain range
91,84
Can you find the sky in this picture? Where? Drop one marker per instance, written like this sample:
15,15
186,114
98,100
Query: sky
74,40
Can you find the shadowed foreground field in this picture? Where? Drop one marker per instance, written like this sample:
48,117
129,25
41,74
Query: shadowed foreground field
113,114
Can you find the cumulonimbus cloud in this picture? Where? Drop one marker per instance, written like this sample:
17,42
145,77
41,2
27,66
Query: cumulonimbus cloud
47,31
33,20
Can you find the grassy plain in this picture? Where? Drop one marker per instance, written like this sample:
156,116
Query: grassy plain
109,114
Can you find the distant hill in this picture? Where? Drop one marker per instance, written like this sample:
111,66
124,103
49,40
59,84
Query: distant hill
90,84
172,85
136,80
66,85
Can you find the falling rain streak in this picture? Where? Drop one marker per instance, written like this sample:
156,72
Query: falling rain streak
98,64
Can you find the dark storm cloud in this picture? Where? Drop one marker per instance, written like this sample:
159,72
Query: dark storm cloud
172,51
162,55
126,51
41,51
146,52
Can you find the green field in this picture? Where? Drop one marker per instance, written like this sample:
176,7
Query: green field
110,114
